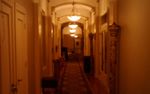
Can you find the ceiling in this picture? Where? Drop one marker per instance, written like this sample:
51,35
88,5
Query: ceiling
63,8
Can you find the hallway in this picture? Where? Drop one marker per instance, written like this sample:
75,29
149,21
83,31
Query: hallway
110,37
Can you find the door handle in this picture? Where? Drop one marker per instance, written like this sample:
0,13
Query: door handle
14,88
19,80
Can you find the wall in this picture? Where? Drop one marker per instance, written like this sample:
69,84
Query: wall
133,17
43,43
68,42
86,39
102,72
78,46
44,38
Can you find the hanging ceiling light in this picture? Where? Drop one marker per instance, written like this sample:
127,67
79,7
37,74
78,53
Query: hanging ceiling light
73,25
72,35
73,17
75,36
72,30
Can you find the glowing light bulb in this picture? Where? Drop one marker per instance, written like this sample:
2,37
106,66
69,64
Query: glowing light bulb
75,36
72,35
74,18
72,30
73,25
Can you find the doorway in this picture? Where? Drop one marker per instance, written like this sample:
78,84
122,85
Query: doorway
72,43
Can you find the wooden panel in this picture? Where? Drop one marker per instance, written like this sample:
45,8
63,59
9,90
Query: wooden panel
21,50
5,48
8,2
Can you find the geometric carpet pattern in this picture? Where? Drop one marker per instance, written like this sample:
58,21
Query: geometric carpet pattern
73,81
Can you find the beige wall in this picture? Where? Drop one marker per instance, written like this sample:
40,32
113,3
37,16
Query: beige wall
135,46
78,46
86,39
68,42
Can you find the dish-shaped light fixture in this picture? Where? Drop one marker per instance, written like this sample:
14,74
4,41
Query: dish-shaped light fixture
72,35
73,26
74,18
72,30
76,36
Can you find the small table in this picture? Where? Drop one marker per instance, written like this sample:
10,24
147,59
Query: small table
49,83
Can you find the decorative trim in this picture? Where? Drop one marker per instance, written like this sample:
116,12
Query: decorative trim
114,31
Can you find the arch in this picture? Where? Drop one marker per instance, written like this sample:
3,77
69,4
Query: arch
66,9
76,3
63,25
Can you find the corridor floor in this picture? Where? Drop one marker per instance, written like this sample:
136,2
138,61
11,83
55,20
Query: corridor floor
73,81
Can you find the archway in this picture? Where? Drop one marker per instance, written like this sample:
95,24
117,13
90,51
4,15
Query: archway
72,42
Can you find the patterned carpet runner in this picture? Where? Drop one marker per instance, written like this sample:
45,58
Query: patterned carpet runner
73,81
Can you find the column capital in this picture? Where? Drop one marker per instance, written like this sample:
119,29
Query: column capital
114,29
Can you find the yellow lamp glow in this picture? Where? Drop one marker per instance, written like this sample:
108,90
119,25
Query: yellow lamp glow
72,35
75,36
72,30
74,18
73,26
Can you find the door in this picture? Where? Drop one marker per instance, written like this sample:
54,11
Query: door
21,50
6,60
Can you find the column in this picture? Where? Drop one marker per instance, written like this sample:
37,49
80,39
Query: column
114,31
